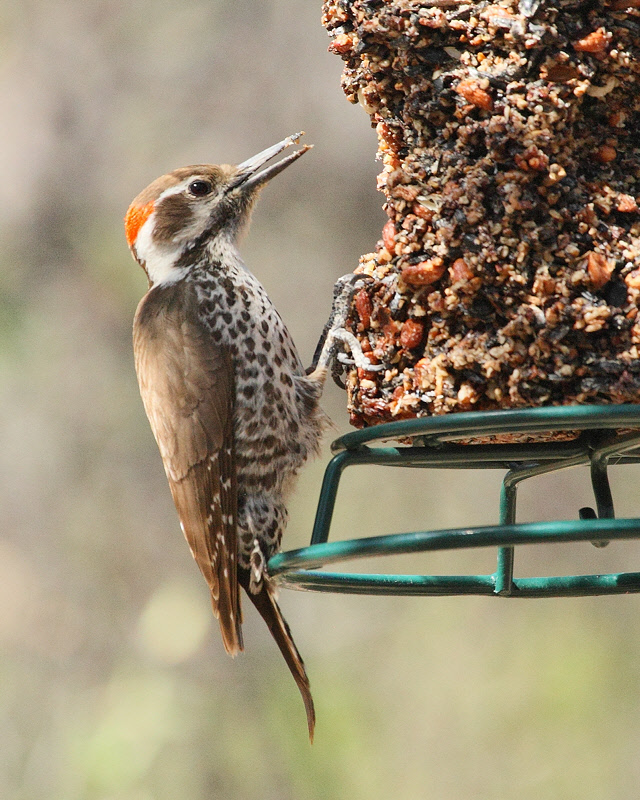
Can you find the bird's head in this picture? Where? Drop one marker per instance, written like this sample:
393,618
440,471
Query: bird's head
182,211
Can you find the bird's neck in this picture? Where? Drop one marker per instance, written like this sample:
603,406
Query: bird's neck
166,265
223,248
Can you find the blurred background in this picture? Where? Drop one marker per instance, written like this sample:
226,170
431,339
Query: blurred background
113,681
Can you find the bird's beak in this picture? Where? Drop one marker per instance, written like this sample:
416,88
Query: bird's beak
249,176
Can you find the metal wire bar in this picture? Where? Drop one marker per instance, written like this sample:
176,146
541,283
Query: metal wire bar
442,586
508,498
472,424
596,441
557,531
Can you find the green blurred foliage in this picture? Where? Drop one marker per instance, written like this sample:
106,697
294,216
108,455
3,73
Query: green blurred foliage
113,682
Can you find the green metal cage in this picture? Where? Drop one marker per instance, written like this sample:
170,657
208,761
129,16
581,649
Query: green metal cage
599,435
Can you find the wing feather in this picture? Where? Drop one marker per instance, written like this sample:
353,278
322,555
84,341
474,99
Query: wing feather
186,383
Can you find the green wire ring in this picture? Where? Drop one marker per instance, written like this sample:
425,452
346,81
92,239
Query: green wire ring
602,433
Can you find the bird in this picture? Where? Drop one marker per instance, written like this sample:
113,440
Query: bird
234,413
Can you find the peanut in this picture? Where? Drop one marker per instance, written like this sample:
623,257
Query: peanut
474,94
424,273
411,333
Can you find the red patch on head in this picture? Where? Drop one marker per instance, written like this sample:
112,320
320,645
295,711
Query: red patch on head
135,219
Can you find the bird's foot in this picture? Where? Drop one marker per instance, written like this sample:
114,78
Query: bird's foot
335,333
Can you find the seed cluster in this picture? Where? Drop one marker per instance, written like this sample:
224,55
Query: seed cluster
508,273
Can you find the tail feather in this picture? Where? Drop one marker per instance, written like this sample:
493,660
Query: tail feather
269,610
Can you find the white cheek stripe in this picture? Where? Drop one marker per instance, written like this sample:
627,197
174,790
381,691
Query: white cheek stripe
179,187
159,262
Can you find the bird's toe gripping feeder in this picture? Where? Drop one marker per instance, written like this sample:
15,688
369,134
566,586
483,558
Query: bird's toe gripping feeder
600,435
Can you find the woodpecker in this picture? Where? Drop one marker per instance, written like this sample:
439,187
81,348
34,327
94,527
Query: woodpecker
234,413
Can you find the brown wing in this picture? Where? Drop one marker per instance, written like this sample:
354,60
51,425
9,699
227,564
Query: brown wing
186,383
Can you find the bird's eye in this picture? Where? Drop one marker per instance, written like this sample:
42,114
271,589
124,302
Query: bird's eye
200,188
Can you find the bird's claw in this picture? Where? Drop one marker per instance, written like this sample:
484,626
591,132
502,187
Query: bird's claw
336,332
357,358
349,284
344,291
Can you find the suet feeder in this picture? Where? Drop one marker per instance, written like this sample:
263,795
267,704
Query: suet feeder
502,305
